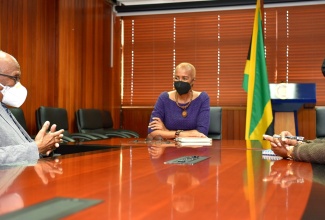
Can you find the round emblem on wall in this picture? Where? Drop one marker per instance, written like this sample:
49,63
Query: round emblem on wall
281,91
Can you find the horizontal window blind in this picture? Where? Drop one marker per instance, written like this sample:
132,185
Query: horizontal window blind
216,43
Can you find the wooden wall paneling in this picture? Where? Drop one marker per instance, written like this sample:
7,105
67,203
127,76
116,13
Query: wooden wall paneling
33,81
227,127
25,34
98,53
137,119
226,122
233,122
2,20
307,123
240,124
76,32
5,12
40,53
112,98
81,56
106,65
66,45
88,56
11,28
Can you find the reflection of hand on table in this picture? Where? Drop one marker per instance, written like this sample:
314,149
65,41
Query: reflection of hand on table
49,166
182,181
157,146
156,152
286,172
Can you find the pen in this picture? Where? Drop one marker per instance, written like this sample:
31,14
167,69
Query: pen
298,138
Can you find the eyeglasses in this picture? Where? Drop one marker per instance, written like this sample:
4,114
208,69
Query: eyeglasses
16,78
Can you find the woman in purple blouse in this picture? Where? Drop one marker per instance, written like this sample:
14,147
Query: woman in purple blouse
182,112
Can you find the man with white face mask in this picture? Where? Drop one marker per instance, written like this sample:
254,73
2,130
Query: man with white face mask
15,143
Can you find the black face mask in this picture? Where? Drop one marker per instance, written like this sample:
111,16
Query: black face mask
182,87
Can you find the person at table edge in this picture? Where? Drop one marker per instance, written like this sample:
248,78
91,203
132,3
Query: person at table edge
312,151
14,140
182,112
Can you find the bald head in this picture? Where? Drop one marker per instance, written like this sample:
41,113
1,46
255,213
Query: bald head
8,63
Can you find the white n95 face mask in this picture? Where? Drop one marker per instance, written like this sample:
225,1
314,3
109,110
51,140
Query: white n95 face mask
14,96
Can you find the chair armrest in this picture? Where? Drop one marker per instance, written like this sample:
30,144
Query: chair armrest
84,136
68,139
116,134
98,135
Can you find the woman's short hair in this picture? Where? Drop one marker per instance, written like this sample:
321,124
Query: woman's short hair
187,67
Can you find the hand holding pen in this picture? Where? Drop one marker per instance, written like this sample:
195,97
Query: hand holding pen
298,138
284,138
283,142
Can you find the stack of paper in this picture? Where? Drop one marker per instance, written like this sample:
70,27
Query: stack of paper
193,141
270,155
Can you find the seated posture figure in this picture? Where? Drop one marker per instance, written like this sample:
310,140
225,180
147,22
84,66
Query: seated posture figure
182,112
14,140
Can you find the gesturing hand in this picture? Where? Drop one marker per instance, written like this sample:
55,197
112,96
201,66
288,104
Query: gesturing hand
47,142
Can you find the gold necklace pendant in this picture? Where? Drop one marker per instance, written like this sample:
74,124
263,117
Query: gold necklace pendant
184,113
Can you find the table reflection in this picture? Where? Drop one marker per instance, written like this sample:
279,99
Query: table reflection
11,201
182,179
291,174
285,173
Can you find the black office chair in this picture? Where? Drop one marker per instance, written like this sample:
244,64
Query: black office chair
108,125
215,129
19,115
59,116
320,121
91,121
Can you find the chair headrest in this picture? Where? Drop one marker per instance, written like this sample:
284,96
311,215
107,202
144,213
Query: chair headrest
58,116
89,119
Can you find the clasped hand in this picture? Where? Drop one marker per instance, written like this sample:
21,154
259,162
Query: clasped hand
157,124
48,141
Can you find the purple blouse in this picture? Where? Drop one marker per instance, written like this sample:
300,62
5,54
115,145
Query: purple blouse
198,113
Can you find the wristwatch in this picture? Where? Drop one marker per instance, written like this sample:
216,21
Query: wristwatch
177,133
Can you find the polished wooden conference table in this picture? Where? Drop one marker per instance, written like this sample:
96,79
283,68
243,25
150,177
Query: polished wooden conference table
132,181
